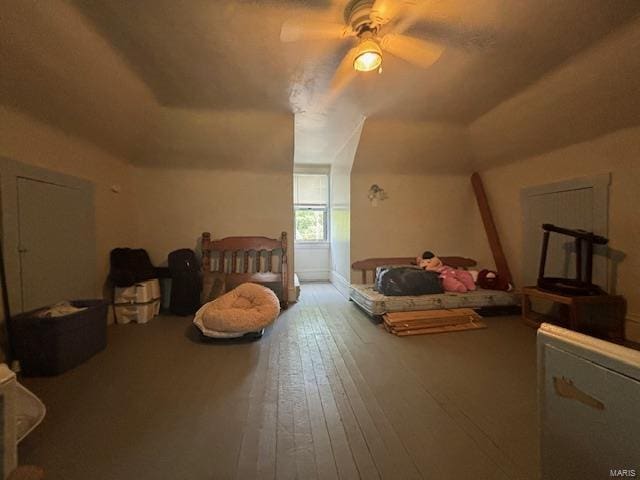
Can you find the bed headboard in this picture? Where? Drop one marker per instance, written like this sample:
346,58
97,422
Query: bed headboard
248,259
370,264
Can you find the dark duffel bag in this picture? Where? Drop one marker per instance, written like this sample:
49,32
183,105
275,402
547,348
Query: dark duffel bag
398,281
129,266
185,282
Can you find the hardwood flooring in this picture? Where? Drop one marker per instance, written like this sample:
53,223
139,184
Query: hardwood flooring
325,394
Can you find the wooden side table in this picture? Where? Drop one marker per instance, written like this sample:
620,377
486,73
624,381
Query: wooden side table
575,306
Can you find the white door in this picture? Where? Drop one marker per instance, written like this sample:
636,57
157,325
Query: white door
56,243
575,204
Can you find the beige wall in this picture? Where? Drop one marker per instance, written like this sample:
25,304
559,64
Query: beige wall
29,141
341,227
618,153
228,173
423,212
413,147
176,205
341,210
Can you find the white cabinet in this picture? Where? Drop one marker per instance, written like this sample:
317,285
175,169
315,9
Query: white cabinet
589,399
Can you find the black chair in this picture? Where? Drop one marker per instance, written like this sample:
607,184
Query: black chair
186,282
582,284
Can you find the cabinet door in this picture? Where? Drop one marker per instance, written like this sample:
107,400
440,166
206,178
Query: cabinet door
56,243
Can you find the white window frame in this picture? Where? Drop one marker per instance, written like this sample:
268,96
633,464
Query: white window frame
317,207
325,228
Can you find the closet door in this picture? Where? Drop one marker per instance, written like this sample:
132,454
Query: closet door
56,243
575,204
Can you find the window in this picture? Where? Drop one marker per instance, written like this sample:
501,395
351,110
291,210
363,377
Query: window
311,206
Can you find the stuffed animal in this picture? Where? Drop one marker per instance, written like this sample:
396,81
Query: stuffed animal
490,280
453,280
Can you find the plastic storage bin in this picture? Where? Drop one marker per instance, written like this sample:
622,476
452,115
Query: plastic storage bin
138,303
52,345
136,312
141,292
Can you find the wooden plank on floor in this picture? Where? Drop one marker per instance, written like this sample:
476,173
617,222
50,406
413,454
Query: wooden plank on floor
401,317
359,446
266,466
302,436
442,329
387,450
342,454
285,445
427,324
325,463
248,458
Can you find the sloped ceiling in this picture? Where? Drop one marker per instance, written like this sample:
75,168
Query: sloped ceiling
58,69
596,93
153,79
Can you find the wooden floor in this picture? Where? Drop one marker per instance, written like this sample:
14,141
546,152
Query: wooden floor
325,394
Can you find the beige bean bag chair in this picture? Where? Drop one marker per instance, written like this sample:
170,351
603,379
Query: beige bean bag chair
247,308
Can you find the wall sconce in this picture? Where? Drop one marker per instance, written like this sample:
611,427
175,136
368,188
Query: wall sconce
376,194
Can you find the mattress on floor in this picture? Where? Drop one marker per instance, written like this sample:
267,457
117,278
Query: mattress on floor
375,303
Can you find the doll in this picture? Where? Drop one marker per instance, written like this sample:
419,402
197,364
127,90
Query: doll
453,280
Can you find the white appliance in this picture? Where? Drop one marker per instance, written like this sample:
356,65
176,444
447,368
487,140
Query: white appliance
589,401
21,412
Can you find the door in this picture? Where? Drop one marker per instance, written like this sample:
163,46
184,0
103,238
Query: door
575,204
56,243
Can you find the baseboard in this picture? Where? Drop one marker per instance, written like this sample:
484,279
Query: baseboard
341,284
313,275
632,328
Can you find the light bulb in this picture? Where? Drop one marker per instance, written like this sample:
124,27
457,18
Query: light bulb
368,56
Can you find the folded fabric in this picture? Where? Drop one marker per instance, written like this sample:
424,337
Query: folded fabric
60,309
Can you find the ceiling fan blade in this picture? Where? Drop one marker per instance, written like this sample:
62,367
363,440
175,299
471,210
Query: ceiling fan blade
345,73
412,15
383,11
418,52
294,30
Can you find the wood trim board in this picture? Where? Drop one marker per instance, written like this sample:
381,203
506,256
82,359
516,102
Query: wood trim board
490,228
432,321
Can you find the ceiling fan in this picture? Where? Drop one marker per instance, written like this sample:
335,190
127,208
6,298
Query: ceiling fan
377,26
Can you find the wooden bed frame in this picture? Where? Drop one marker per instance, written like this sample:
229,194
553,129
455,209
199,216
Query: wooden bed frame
370,264
263,272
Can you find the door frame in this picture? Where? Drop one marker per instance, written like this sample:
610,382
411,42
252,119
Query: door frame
10,172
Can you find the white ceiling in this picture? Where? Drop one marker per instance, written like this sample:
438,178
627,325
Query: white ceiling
149,78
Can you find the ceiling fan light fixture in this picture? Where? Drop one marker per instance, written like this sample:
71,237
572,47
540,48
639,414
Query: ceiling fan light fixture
368,56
